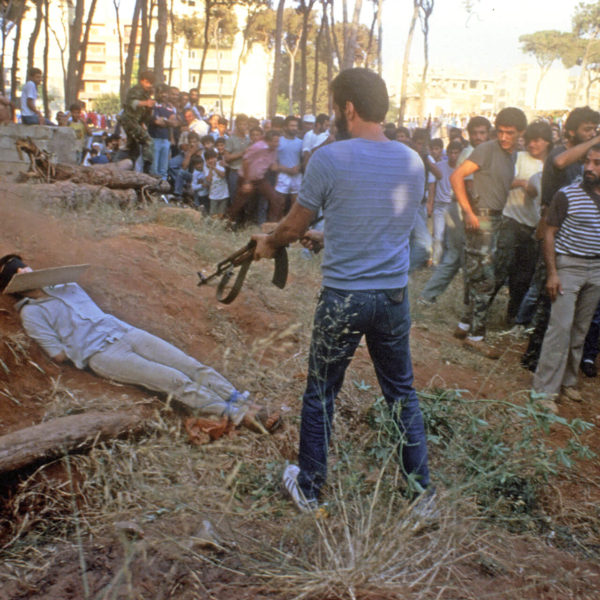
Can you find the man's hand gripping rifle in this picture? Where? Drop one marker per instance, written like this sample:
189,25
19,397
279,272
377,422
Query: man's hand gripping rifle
242,258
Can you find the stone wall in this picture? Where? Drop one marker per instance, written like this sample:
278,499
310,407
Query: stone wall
59,141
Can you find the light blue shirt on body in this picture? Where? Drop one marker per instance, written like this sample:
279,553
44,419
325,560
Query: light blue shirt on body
369,192
69,321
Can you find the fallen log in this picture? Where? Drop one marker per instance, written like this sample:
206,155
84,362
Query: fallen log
55,438
111,175
79,195
107,175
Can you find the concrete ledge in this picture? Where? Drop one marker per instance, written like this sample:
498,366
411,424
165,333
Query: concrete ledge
59,141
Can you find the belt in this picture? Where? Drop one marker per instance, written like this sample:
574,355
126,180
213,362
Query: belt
487,212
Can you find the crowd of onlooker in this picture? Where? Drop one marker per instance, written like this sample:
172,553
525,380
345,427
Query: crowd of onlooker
483,211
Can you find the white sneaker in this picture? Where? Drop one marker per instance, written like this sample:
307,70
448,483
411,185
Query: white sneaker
290,483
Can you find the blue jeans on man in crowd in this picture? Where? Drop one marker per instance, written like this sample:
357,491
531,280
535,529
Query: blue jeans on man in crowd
160,163
341,318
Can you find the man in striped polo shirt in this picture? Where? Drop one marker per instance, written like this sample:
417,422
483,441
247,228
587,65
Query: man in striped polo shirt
572,255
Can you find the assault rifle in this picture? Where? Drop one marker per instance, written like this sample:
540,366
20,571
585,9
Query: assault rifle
243,258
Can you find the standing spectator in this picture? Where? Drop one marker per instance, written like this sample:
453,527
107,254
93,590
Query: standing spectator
440,198
563,166
218,193
454,238
420,238
235,146
572,255
81,129
136,115
163,117
30,115
365,274
516,253
314,138
199,183
192,102
289,162
492,165
257,161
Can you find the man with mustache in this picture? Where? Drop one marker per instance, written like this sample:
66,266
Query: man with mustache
572,255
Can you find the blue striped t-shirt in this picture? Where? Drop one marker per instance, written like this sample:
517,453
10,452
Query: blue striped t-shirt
369,192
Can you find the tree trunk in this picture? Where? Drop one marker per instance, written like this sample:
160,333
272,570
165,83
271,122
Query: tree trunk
172,44
316,71
207,9
237,73
334,38
45,61
160,41
329,60
411,31
118,20
584,64
75,27
307,7
371,34
379,38
350,41
126,83
277,59
57,437
15,58
78,49
34,35
145,39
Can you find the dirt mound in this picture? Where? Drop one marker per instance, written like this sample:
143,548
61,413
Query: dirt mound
143,270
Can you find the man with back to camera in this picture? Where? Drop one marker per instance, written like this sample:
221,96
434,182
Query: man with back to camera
492,165
365,272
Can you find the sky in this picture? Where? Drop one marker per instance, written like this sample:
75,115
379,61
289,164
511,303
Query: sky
483,43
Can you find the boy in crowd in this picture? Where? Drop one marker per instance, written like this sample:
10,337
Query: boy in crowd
82,131
218,193
199,183
440,194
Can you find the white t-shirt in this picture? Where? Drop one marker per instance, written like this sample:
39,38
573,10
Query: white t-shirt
218,185
519,206
29,91
312,140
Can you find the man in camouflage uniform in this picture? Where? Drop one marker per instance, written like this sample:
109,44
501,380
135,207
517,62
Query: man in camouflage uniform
137,112
492,165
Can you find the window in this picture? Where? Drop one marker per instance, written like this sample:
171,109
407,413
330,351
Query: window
192,54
